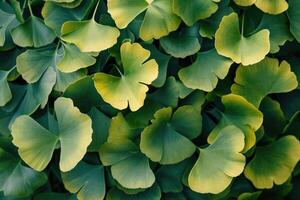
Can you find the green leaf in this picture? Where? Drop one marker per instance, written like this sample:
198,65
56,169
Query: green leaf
294,17
67,4
249,195
244,2
131,87
56,196
37,145
7,22
274,119
120,129
18,180
232,43
273,7
129,167
85,35
55,15
74,59
5,92
162,61
86,180
27,99
34,62
32,33
273,163
192,12
293,126
266,77
242,114
84,94
159,19
181,44
168,132
169,177
209,26
219,163
279,30
203,74
152,193
100,125
167,95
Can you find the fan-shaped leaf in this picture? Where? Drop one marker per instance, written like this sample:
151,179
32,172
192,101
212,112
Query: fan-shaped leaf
37,145
219,163
74,59
32,33
273,163
266,77
203,74
86,180
192,12
168,132
241,113
18,180
128,165
230,42
131,87
159,18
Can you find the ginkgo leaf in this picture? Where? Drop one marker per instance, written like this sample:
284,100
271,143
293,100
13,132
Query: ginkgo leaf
244,2
37,145
294,17
194,11
152,193
28,98
7,21
56,196
18,180
182,44
131,87
128,165
5,92
242,114
219,163
209,26
86,180
55,15
74,59
88,35
203,74
120,129
266,77
168,132
159,19
67,3
100,130
33,63
32,33
273,163
169,177
232,43
279,30
273,7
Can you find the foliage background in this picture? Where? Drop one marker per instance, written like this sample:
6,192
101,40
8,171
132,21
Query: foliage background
149,99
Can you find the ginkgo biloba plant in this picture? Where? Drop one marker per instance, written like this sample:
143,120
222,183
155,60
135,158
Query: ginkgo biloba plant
149,99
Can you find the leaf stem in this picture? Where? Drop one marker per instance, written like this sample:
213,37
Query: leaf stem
95,11
118,70
30,10
243,22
